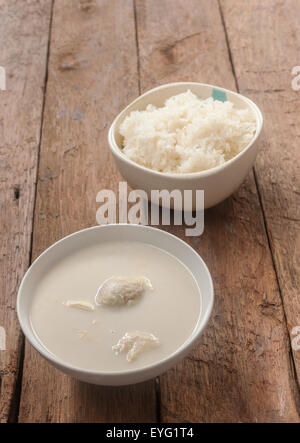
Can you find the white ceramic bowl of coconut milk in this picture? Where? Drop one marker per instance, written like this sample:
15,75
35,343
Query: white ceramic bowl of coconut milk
79,343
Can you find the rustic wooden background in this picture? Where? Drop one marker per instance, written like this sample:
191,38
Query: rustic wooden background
71,66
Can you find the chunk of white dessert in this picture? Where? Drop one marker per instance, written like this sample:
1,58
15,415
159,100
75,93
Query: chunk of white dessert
84,305
134,343
122,290
82,334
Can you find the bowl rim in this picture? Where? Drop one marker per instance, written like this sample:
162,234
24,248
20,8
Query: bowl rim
56,361
184,175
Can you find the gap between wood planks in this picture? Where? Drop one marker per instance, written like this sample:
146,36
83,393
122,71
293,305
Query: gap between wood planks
15,406
137,45
292,360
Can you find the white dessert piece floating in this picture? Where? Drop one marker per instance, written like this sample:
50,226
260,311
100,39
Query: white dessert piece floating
134,343
116,291
84,305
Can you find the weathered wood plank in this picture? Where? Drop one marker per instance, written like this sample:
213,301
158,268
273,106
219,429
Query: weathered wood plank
24,36
269,55
92,75
241,370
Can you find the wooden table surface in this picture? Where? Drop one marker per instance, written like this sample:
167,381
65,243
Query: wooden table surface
71,66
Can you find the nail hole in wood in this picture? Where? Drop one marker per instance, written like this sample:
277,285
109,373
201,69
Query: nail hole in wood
17,193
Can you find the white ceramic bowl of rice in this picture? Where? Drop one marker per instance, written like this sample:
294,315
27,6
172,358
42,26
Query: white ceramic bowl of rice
187,136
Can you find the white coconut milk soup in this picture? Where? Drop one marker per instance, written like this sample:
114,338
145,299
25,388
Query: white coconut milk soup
158,306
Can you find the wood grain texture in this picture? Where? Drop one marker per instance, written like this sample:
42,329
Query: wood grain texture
269,55
23,40
241,370
92,75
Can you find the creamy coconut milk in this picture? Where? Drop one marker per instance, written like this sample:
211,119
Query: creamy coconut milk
84,336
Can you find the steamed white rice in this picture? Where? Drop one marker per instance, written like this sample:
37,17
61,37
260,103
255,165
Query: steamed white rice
187,134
